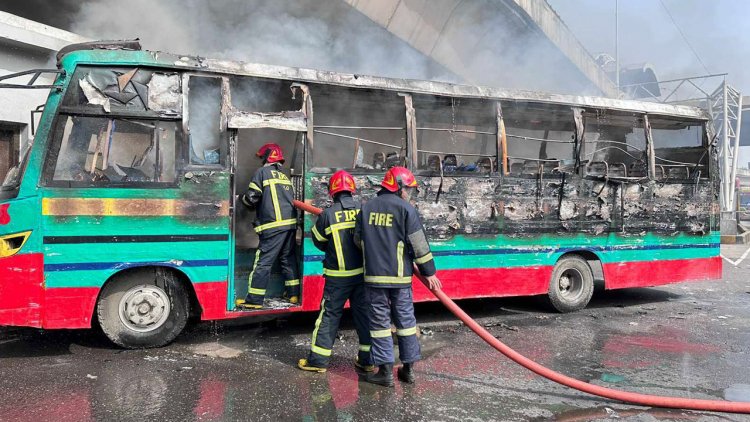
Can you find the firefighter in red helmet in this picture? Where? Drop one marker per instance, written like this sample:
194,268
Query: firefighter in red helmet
333,234
271,194
393,239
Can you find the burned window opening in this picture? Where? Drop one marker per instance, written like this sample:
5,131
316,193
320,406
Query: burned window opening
206,140
680,149
260,103
360,130
616,145
133,90
455,136
91,151
540,139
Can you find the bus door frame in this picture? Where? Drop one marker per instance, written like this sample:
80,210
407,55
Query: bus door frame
233,123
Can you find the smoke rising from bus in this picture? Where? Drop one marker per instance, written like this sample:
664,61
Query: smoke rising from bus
327,35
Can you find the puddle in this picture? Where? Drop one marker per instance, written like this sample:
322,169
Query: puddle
216,350
738,392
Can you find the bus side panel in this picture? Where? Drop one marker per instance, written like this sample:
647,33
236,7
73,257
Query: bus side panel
21,274
621,275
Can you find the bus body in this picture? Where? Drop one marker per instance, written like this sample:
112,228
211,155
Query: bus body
124,209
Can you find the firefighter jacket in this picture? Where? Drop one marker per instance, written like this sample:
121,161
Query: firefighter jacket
271,194
392,238
333,234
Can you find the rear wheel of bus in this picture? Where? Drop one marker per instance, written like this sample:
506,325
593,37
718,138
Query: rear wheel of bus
571,285
143,308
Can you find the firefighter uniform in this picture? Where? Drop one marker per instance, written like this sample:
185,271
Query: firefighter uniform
392,238
343,272
271,194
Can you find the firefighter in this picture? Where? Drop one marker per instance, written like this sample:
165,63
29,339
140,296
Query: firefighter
270,194
392,237
342,268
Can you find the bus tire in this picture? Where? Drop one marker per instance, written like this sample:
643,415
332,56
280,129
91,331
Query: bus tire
571,285
144,308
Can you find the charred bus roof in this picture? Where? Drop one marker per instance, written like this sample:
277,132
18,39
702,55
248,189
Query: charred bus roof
129,52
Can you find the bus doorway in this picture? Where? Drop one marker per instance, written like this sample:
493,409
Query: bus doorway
246,240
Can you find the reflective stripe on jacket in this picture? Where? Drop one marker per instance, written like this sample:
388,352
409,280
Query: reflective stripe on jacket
333,234
392,238
271,193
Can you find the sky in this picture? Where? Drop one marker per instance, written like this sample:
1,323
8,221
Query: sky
718,31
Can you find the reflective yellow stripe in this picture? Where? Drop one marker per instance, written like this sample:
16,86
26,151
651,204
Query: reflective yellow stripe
339,250
423,259
378,279
364,347
340,226
317,327
255,187
343,273
269,182
400,258
320,350
250,279
275,200
253,291
380,333
403,332
289,222
292,282
317,235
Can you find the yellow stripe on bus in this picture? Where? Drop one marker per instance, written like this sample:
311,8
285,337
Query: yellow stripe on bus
118,207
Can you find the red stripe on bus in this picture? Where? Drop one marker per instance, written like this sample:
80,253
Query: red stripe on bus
21,289
652,273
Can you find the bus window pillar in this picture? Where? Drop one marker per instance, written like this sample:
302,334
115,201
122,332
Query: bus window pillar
580,141
411,131
649,148
502,140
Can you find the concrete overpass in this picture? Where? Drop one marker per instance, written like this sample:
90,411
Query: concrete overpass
494,42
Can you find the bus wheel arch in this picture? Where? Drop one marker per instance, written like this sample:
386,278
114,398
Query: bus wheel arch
571,284
145,306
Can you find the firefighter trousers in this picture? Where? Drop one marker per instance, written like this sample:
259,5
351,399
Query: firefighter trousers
279,246
335,294
396,303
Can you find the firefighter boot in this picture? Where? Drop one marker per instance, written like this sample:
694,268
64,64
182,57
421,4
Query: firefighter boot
304,365
383,377
362,368
406,373
245,305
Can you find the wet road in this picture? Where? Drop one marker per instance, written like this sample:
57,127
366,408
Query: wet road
690,340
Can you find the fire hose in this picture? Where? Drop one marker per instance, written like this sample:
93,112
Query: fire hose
610,393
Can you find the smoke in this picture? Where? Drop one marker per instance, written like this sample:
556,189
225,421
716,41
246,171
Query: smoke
316,34
486,43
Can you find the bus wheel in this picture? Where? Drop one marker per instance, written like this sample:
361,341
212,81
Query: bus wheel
143,308
572,284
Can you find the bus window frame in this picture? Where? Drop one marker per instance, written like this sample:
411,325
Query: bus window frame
224,134
55,144
504,158
413,158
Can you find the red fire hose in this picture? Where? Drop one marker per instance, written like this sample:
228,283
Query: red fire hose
623,396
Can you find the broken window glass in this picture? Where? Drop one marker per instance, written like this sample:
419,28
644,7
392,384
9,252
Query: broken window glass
99,150
359,130
457,134
679,148
108,89
204,121
615,144
540,138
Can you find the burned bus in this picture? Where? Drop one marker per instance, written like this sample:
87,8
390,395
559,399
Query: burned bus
123,212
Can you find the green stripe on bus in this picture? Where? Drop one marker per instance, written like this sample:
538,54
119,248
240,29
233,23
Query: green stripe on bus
104,226
96,278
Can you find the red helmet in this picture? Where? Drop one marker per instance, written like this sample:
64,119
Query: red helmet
397,178
271,153
341,181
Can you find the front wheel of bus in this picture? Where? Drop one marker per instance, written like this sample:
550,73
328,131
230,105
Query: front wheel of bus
572,284
144,308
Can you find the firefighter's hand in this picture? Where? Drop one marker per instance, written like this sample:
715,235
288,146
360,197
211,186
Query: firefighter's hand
433,282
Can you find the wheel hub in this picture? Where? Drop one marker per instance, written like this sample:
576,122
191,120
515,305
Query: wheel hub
144,308
570,283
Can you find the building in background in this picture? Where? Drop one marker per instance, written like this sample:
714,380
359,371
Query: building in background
24,45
